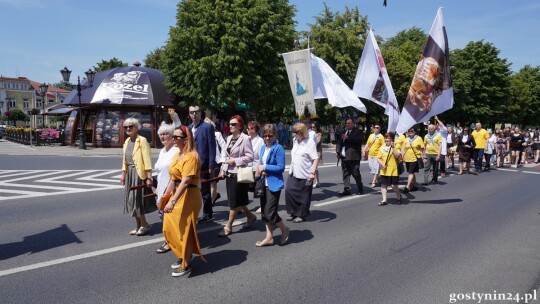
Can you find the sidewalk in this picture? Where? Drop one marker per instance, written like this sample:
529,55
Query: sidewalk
16,149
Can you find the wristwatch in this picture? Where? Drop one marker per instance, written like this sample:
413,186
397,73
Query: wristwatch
173,202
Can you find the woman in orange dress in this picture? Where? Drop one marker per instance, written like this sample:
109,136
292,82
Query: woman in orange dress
184,205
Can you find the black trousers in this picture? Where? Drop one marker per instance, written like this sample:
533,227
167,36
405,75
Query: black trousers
348,168
206,195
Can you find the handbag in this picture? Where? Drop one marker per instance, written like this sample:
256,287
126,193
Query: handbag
245,175
164,200
260,188
400,167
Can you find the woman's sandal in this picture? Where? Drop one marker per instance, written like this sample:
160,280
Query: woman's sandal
399,200
134,231
382,203
225,232
373,185
163,248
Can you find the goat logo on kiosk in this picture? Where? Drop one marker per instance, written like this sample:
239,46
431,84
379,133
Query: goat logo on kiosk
131,85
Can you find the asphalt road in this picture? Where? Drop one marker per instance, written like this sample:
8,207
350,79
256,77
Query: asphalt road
468,234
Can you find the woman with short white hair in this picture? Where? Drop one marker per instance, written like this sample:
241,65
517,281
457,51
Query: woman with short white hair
137,170
165,158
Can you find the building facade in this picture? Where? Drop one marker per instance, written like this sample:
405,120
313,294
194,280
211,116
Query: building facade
24,94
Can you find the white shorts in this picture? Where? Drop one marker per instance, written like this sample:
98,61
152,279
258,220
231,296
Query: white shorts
373,165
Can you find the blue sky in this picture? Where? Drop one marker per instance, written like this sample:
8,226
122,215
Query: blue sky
40,37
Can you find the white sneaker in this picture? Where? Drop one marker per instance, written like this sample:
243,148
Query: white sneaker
258,210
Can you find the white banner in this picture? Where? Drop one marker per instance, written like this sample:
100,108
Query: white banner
327,84
372,81
299,72
431,90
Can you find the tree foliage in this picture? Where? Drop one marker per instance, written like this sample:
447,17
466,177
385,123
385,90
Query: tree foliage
337,38
222,52
16,115
109,64
524,102
154,59
481,83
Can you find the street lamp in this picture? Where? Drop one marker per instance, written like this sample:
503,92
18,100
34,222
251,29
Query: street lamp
43,88
1,108
90,77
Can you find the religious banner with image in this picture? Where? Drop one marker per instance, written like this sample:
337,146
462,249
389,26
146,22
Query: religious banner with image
298,66
431,90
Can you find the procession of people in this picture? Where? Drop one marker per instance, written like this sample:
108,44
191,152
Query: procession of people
252,159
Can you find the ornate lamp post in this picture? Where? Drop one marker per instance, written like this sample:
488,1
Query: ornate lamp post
43,88
90,77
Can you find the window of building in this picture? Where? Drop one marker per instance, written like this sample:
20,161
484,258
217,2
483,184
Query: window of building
12,103
26,104
51,101
38,103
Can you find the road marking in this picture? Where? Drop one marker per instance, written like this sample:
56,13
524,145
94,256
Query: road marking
55,182
98,252
517,171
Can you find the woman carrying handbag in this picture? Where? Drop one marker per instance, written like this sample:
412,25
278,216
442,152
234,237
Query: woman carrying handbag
237,155
270,170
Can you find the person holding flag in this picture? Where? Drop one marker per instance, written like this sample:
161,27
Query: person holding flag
411,150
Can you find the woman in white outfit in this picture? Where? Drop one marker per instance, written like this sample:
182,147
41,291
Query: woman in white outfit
166,155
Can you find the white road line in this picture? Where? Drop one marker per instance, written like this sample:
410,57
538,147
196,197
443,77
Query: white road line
15,191
70,191
530,172
33,176
96,253
350,197
5,175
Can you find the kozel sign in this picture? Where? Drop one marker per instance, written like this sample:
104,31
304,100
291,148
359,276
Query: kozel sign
132,85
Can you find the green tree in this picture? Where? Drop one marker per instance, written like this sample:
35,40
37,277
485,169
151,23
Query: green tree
64,85
524,102
222,52
109,64
154,59
481,83
16,115
338,38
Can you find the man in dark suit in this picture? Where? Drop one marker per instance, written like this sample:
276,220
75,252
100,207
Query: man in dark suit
205,140
349,150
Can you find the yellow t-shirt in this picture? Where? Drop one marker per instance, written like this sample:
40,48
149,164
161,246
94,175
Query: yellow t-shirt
480,138
391,169
412,152
374,144
399,142
433,145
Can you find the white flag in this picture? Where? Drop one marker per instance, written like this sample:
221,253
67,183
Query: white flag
327,84
372,81
299,71
431,90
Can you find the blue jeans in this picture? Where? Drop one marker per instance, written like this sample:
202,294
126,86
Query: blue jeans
478,157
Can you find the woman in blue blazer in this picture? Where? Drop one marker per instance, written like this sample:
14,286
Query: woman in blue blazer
271,167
